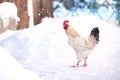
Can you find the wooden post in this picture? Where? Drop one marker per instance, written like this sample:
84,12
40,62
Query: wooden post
22,13
36,11
42,8
47,8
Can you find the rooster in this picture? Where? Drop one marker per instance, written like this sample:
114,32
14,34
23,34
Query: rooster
83,47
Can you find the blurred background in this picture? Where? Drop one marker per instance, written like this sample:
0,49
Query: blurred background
103,9
31,12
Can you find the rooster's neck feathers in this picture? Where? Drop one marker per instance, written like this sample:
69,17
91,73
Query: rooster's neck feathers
71,32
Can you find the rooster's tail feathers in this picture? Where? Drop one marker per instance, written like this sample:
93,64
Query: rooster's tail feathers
95,33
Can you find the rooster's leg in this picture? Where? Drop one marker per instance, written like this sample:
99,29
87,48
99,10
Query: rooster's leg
77,65
85,61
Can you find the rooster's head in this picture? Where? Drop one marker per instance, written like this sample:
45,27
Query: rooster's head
66,24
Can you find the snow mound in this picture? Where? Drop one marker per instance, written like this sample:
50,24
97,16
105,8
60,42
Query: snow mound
8,10
10,69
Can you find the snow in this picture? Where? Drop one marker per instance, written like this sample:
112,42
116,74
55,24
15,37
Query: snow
10,69
8,10
43,51
30,12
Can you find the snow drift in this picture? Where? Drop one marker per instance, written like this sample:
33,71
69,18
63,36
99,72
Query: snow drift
8,10
10,69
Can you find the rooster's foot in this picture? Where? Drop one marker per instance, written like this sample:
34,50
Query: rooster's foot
75,66
84,65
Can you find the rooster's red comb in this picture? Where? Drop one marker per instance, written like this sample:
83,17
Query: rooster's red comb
65,22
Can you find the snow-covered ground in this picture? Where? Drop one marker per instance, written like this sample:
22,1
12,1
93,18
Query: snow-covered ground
10,69
43,50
